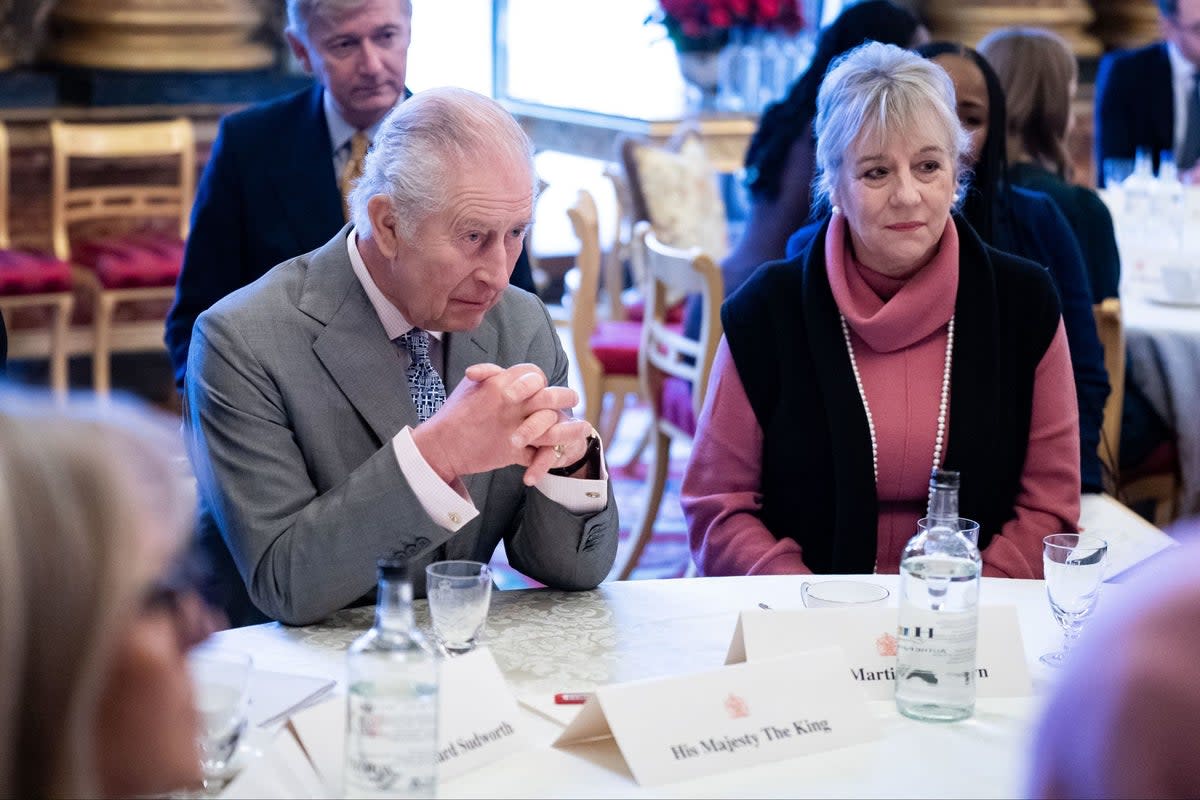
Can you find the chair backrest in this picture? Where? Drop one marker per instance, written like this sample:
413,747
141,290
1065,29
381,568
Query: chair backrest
1112,337
614,259
5,240
71,204
665,351
585,222
675,187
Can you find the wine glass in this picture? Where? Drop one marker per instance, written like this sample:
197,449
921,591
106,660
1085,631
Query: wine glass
459,593
220,682
1074,565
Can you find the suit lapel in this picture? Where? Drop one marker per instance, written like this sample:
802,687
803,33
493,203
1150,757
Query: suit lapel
306,188
354,348
1163,91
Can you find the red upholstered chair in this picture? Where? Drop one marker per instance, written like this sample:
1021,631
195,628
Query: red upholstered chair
35,294
606,351
672,368
125,265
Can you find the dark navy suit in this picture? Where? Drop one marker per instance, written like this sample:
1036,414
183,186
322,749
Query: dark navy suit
268,194
1135,104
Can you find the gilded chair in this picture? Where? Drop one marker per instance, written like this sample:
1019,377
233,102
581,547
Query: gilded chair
673,369
606,351
124,240
1157,482
35,293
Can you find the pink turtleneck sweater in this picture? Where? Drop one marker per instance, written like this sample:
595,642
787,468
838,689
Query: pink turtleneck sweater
898,330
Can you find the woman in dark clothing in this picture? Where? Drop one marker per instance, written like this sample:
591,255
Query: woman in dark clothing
1038,73
1027,224
780,159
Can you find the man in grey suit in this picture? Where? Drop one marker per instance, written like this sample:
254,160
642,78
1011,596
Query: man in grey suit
389,394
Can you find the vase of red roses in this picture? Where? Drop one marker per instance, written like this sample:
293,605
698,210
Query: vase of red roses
699,29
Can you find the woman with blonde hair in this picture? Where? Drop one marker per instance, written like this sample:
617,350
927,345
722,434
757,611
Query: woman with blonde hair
96,699
896,342
1039,75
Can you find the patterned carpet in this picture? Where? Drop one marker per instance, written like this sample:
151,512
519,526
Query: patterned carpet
666,556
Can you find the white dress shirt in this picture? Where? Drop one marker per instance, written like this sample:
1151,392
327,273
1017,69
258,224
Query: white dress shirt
449,506
1183,76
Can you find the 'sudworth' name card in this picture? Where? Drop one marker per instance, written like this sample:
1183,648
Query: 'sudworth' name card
478,721
671,729
868,637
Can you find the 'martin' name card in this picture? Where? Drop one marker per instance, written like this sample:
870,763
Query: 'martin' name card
671,729
478,721
868,637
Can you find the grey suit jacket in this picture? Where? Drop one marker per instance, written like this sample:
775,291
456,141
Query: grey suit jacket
293,395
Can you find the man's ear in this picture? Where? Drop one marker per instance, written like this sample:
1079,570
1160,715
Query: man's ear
384,229
300,51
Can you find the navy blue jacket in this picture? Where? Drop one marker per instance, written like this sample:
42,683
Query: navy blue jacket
1042,235
1135,104
268,194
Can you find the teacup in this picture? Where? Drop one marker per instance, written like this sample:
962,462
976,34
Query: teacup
831,594
1180,283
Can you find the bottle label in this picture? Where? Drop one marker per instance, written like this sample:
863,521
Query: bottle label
391,744
942,641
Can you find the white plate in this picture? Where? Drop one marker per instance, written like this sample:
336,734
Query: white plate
1164,300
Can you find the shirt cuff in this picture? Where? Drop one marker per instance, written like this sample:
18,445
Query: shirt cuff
442,502
578,495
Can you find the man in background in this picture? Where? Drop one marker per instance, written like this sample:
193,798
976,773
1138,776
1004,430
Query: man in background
389,394
1149,97
275,183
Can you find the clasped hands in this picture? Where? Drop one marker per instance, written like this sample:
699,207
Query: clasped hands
496,417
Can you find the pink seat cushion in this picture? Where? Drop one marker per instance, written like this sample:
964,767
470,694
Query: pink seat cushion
32,272
615,345
132,261
677,404
636,311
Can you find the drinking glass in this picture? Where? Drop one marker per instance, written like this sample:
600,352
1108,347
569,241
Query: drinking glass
830,594
459,593
1116,170
1074,565
220,682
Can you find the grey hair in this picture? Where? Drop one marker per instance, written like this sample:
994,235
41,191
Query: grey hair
877,90
423,142
85,495
302,13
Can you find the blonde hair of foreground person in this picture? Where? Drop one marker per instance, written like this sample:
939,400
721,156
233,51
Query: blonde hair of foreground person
95,698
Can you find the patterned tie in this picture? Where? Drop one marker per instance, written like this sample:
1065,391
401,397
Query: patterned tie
1189,150
352,169
428,391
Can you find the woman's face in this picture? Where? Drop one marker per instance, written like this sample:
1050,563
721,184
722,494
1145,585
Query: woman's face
970,93
896,199
147,722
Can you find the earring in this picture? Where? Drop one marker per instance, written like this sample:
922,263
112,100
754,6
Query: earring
836,210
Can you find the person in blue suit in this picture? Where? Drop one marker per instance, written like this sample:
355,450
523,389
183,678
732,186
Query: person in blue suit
1024,223
1142,95
270,190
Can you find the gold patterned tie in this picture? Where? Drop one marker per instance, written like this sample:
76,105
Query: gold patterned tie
352,169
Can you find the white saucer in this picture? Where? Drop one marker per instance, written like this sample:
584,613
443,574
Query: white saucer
1177,302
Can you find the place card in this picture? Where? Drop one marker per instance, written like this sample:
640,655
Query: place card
478,720
669,729
868,637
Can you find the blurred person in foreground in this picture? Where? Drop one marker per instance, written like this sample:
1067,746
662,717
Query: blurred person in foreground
389,394
95,617
1123,718
274,185
897,341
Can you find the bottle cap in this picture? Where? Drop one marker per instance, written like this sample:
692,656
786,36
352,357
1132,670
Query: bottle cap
393,568
944,477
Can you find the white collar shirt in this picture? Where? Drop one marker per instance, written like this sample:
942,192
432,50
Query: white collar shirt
1183,76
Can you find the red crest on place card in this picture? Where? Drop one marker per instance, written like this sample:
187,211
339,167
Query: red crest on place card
736,707
886,645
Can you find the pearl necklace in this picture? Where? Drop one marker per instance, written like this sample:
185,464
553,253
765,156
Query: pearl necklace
943,403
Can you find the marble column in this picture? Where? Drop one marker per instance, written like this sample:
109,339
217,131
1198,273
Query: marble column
161,35
968,21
